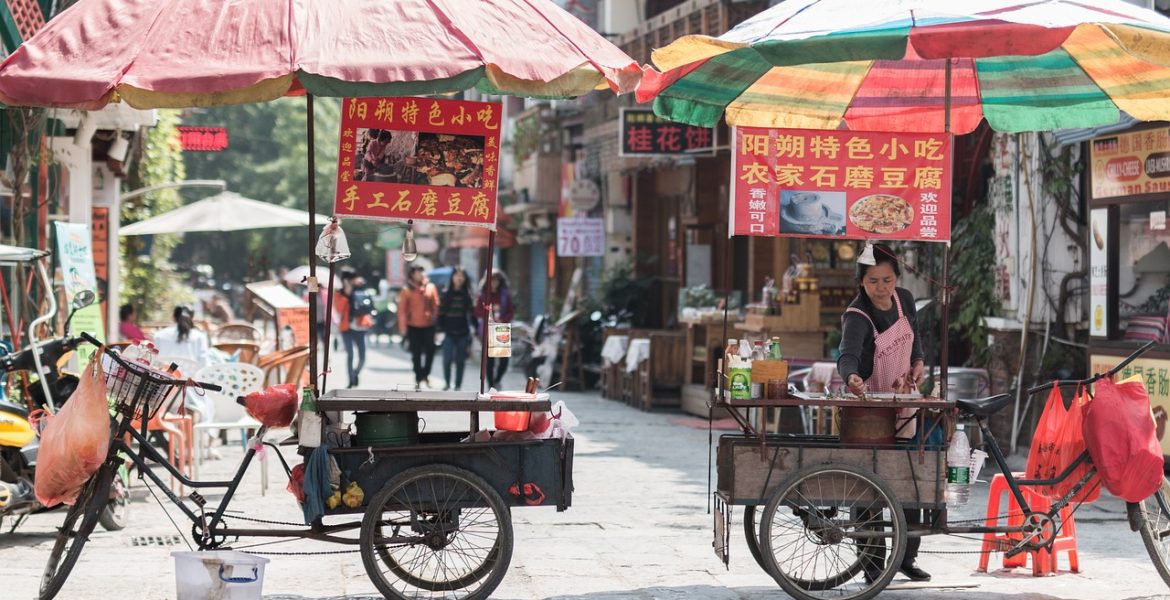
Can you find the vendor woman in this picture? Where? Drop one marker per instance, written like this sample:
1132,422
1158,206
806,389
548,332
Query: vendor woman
881,352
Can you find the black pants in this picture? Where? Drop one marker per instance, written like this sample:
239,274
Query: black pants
422,351
873,551
496,368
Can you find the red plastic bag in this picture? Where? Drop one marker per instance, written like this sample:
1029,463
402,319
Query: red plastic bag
75,441
275,406
1119,431
1059,440
296,483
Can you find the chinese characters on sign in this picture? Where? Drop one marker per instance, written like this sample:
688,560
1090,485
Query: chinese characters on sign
203,139
580,237
405,158
841,184
1127,164
645,134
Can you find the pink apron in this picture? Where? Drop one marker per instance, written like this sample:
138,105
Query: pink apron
892,349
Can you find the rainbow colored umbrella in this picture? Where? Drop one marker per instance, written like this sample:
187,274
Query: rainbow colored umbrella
166,54
829,64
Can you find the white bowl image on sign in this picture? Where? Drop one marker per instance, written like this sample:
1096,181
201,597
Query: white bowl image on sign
820,213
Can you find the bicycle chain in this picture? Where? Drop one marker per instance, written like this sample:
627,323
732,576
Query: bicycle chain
264,521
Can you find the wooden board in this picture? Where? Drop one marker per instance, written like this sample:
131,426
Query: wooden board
805,316
917,480
764,371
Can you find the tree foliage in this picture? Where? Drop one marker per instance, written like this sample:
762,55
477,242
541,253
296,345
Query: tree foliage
149,280
267,160
974,251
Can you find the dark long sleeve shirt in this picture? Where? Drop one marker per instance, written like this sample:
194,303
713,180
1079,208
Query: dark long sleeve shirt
857,346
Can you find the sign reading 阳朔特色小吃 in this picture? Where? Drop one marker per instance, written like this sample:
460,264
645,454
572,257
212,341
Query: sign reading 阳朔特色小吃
840,184
422,159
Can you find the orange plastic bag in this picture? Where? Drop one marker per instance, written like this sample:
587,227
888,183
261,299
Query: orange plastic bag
75,441
1059,440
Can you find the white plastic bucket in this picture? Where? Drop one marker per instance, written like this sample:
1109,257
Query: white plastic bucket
218,575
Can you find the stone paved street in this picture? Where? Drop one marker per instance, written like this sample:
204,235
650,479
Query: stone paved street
638,529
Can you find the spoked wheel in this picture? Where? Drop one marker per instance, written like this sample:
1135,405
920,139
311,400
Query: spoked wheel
1155,529
79,522
826,527
752,534
436,531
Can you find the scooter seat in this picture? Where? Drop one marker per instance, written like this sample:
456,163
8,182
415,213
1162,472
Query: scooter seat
16,409
984,407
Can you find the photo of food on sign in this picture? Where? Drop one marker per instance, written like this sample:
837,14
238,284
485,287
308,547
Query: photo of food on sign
881,213
820,213
419,158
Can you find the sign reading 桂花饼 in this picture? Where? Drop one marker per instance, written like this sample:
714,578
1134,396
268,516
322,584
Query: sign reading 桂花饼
1155,373
1132,163
840,184
644,133
405,158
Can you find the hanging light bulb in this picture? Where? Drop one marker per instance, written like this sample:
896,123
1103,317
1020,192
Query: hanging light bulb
409,248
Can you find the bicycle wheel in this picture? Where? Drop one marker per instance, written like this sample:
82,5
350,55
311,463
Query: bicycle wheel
74,532
450,535
116,513
824,525
752,534
1155,529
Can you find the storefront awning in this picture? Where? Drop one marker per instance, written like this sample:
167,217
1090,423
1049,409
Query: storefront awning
1065,137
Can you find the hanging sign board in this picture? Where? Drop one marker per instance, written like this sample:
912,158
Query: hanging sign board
1098,272
1128,164
580,237
75,252
644,133
404,158
840,184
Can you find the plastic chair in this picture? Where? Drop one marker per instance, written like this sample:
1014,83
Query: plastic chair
248,351
1044,562
288,369
180,431
235,379
237,332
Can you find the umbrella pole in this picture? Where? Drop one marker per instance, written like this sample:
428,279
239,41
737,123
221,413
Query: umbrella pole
313,285
487,315
946,291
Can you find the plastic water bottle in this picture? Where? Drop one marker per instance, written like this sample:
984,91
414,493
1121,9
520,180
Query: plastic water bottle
958,469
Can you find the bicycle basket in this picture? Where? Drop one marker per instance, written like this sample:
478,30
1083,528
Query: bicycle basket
137,390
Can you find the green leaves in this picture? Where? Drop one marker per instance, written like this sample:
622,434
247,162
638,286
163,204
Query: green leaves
973,251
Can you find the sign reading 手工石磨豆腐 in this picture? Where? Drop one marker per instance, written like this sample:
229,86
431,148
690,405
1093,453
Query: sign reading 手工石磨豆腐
840,184
405,158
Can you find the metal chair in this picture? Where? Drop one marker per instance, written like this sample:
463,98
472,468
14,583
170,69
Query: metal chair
237,332
290,368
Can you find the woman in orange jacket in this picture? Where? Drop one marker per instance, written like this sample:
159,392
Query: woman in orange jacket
418,308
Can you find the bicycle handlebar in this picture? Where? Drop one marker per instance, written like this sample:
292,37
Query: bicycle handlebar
207,386
1096,376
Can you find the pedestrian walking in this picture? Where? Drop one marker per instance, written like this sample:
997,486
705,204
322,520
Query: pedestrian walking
495,291
418,308
354,306
455,321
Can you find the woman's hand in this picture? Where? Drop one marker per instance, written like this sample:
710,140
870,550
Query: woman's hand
915,376
856,384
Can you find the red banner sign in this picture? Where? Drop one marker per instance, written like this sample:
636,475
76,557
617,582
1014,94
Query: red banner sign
406,158
203,139
840,184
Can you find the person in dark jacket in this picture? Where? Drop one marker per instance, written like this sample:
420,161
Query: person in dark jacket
455,321
503,310
881,352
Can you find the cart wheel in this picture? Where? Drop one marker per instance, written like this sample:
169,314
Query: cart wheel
1155,528
752,534
436,531
824,526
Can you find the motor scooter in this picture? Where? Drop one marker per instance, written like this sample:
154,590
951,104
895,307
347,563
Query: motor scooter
19,441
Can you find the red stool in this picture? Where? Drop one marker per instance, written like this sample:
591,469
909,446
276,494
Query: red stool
1044,562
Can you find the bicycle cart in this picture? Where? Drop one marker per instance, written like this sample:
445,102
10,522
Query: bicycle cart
831,511
436,514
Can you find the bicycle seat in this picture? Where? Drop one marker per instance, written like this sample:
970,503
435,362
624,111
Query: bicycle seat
984,407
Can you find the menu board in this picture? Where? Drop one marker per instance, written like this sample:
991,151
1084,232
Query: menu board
1132,163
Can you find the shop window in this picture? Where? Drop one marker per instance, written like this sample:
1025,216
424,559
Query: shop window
1142,271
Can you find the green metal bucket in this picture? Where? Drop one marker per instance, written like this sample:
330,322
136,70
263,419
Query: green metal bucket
386,429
